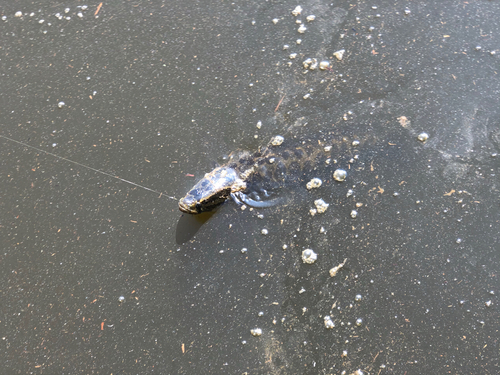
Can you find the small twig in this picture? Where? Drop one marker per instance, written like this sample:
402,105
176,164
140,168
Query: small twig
283,97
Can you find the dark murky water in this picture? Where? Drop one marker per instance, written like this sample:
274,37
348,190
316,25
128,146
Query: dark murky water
157,94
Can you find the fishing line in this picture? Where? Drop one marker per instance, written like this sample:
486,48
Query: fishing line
86,166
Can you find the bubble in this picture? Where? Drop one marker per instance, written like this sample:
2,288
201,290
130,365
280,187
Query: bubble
309,256
61,104
18,14
321,206
121,299
359,322
277,140
339,175
264,231
358,297
329,324
422,137
256,332
314,184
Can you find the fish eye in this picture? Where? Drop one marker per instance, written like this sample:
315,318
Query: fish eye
198,207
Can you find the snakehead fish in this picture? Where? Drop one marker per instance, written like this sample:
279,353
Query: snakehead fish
247,174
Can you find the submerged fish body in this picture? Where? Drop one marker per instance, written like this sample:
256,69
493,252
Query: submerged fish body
250,173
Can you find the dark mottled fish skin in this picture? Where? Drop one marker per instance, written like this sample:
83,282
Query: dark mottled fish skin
269,168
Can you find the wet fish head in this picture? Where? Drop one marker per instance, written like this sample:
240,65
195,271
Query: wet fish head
210,192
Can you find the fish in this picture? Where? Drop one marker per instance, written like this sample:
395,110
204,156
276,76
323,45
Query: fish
248,177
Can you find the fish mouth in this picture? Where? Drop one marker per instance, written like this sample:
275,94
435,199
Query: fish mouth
185,208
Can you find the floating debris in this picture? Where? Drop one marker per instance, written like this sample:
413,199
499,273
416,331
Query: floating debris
354,214
286,46
321,206
18,14
259,124
339,54
314,183
309,256
311,18
302,29
275,20
323,65
277,140
264,231
256,332
298,41
334,270
358,297
339,175
298,9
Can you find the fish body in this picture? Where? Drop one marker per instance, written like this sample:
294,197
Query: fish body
245,173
